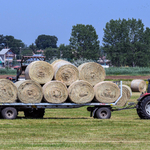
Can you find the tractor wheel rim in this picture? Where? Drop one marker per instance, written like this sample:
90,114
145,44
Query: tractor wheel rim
147,108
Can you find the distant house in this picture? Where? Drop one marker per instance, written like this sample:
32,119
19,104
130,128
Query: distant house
6,57
105,63
40,51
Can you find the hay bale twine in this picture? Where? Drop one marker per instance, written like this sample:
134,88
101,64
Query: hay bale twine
91,72
81,92
39,71
127,90
106,92
29,91
55,92
8,91
65,72
123,100
138,85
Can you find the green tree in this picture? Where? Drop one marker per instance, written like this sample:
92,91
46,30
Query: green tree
123,42
33,47
65,52
2,44
11,42
14,44
51,53
46,41
26,52
84,42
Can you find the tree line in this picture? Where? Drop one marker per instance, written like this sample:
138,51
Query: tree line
125,43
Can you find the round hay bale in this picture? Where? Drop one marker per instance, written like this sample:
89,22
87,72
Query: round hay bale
91,72
29,91
138,85
39,71
106,92
123,100
8,91
81,92
56,61
55,92
127,90
65,72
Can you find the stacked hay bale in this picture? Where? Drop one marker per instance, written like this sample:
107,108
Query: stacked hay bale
106,92
61,81
39,71
29,91
126,95
91,84
8,91
91,72
55,92
65,72
81,92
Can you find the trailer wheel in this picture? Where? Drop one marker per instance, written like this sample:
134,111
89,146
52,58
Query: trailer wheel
143,108
33,113
9,113
103,113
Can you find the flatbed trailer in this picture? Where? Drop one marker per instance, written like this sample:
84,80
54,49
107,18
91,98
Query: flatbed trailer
37,110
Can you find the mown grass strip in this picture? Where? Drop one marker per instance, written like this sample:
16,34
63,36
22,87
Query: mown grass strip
128,71
7,71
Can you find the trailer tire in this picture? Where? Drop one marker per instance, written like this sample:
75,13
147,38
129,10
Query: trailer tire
103,113
33,113
9,113
143,108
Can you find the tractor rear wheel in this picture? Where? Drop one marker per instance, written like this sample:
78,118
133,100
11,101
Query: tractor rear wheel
143,108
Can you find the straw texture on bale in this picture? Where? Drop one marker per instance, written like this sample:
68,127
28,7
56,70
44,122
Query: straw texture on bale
91,72
8,91
56,61
65,72
123,100
29,91
127,90
106,92
81,92
39,71
138,85
55,92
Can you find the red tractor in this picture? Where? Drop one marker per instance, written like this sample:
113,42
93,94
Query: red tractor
143,105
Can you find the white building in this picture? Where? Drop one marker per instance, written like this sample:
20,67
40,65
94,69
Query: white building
6,57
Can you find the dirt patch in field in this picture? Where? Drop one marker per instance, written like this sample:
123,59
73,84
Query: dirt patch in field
4,76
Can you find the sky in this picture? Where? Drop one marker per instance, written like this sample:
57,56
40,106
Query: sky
27,19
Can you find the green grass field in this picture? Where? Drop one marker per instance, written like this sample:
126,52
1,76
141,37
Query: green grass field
73,129
128,71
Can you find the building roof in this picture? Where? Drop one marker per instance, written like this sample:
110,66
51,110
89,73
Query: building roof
4,51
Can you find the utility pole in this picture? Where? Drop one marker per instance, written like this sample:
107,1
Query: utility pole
20,52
